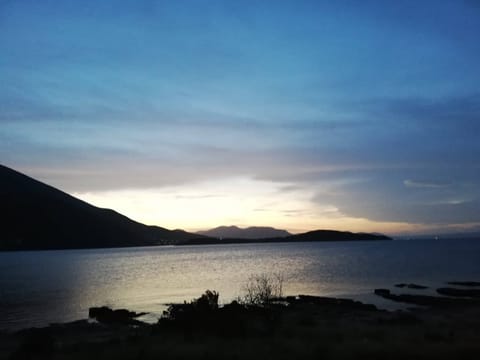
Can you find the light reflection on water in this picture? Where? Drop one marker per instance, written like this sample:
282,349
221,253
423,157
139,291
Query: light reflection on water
37,288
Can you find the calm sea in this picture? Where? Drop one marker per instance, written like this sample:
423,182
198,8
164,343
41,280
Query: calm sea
42,287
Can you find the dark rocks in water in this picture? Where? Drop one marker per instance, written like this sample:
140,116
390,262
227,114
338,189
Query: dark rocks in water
426,300
108,316
382,292
412,286
474,293
417,287
339,304
408,298
464,283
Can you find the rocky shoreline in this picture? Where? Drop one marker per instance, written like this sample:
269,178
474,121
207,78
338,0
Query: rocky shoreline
469,295
299,327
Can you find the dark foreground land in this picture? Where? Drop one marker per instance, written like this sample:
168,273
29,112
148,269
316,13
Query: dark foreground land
303,327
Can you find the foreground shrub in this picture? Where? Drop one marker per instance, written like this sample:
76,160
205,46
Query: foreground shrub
197,308
208,301
203,316
262,289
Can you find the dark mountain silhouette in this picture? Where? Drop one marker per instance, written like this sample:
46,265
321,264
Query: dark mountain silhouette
37,216
316,235
253,232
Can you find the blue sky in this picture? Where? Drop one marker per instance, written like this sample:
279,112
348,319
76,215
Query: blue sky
297,114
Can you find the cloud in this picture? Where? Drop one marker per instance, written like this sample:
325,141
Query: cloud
380,197
423,184
202,196
437,115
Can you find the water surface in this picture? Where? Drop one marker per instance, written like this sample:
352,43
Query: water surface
41,287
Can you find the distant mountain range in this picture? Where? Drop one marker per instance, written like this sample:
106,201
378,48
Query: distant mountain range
253,232
36,216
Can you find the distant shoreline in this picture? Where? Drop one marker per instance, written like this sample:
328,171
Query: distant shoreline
200,242
311,236
233,241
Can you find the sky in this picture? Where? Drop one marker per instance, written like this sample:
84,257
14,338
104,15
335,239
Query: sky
348,115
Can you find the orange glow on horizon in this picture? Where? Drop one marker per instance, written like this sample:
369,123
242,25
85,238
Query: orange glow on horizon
238,201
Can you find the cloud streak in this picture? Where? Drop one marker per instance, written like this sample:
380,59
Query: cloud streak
423,184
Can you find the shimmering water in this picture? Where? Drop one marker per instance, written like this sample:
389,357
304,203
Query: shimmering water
38,288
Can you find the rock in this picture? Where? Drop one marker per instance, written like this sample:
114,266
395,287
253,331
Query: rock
475,293
426,300
464,283
108,316
382,292
338,303
418,287
411,286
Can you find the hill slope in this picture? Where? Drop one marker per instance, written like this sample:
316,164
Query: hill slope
253,232
38,216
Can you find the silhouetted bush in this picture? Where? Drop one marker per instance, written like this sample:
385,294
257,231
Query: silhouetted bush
262,289
194,310
203,315
206,302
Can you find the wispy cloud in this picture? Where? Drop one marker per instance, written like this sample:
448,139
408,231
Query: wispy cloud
424,184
